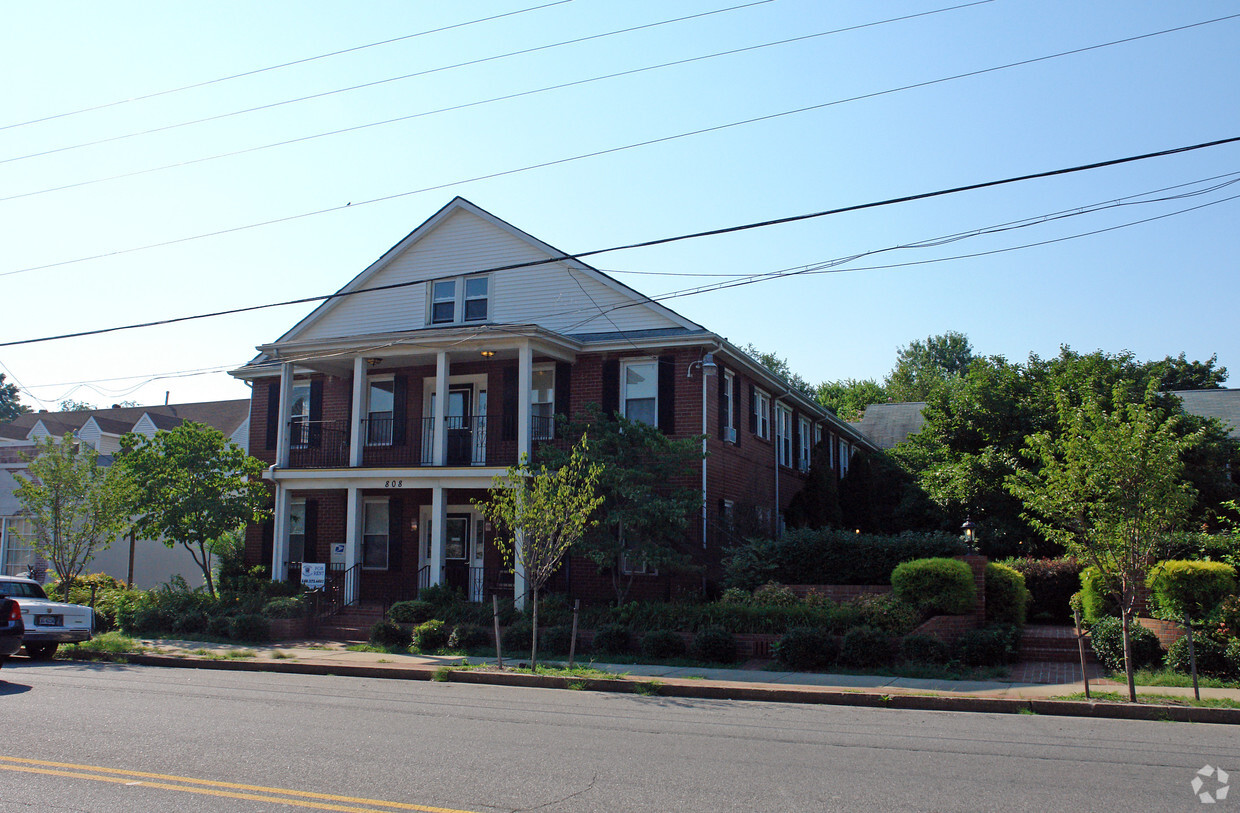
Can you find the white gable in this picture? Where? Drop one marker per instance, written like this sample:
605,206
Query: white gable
564,296
242,436
145,426
38,431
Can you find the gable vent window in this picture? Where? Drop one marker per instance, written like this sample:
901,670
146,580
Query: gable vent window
461,299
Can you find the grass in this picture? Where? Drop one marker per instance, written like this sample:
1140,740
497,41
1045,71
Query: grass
1167,677
1157,700
279,655
227,655
649,688
923,671
108,643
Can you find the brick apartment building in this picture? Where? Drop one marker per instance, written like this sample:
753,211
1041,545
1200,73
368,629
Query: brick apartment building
374,470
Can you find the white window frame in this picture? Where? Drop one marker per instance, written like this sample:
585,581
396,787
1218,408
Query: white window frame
729,392
845,457
806,446
542,430
303,441
387,541
381,440
762,411
293,507
783,434
628,568
625,365
18,546
458,300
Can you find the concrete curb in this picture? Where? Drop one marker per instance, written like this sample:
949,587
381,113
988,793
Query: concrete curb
716,690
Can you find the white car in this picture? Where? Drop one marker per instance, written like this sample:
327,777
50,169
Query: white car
48,623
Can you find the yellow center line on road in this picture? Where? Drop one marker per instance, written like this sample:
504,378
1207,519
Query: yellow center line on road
318,801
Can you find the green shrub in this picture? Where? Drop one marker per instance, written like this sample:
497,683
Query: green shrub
735,595
441,596
866,647
924,649
430,636
611,639
988,646
1107,638
1051,583
518,637
1193,589
555,640
806,648
1232,656
819,601
885,612
1229,617
149,619
249,627
663,644
714,645
390,636
1097,600
191,621
108,594
468,636
411,612
935,586
1211,652
286,607
774,594
1006,595
831,556
217,625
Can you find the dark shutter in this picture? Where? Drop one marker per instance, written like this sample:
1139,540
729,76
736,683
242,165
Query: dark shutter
396,538
311,547
316,412
611,387
723,402
273,413
667,394
563,388
268,546
753,410
509,398
400,409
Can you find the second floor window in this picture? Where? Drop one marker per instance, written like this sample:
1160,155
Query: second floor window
639,391
461,299
805,447
783,421
299,415
381,400
762,414
542,403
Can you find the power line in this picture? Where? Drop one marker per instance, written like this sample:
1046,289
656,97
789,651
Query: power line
655,242
281,65
594,154
491,100
351,88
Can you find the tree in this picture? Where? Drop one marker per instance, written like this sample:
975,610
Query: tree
921,367
647,502
9,406
1108,485
75,506
849,397
780,367
545,512
69,405
192,486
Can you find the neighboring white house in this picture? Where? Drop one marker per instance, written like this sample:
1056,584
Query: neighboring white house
145,563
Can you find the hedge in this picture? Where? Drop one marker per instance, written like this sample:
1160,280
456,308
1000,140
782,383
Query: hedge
1107,638
935,586
1006,596
1051,583
1097,600
1194,589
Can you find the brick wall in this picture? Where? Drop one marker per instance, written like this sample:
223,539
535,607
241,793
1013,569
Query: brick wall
1168,632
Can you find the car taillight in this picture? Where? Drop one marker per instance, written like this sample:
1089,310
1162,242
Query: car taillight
15,611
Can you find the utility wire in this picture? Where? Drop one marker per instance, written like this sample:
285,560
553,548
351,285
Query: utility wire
655,242
491,100
301,61
594,154
351,88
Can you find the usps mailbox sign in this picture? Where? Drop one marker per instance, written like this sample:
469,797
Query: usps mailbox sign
313,575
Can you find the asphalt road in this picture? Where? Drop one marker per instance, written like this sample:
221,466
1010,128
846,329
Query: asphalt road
82,737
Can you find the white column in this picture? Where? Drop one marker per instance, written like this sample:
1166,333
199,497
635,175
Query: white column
279,535
525,379
439,532
359,405
286,404
440,429
352,538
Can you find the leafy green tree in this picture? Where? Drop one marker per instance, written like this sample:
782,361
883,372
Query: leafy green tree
923,366
541,514
10,407
193,486
69,405
75,506
1178,373
648,501
849,397
1107,485
780,367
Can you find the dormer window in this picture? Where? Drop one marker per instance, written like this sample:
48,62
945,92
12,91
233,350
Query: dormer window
460,299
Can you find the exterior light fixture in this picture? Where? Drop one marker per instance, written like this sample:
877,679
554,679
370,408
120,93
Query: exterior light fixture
373,362
486,354
970,533
413,525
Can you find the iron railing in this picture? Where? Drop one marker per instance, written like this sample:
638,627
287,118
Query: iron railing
318,444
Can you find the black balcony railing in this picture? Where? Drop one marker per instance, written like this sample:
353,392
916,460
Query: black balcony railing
318,444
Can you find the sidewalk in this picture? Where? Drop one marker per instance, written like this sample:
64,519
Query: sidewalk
1010,696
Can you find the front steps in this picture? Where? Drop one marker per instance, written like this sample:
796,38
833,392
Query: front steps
351,625
1041,643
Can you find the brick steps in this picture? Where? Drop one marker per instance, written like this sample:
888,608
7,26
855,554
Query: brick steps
1052,644
351,625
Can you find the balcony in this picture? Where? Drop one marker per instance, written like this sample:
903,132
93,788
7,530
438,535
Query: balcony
478,440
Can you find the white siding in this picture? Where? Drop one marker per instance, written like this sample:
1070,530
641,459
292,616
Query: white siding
145,426
550,295
242,436
90,434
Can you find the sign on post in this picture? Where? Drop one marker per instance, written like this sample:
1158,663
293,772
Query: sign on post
313,575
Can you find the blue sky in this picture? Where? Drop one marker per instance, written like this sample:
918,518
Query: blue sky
1161,287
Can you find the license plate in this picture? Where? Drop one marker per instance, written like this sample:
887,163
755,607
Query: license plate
47,621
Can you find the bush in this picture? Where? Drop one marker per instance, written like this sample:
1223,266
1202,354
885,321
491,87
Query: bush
1107,638
249,627
441,596
714,645
192,621
735,595
108,594
924,649
988,646
286,607
935,586
468,636
611,639
774,594
885,612
831,556
1232,656
1051,583
1097,600
148,619
411,612
555,640
518,637
1211,652
1006,595
430,636
390,636
217,625
1195,589
663,644
1229,617
806,648
865,647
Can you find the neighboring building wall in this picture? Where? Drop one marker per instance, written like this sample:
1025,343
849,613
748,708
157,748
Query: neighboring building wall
154,563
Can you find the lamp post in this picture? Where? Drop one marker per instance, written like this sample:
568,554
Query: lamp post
970,533
709,368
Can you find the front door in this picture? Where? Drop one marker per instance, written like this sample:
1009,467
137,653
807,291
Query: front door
456,554
460,429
